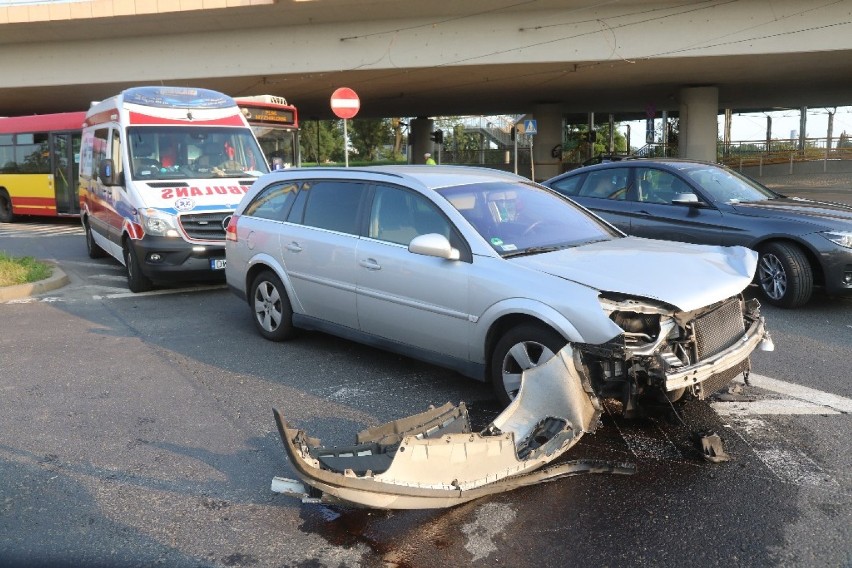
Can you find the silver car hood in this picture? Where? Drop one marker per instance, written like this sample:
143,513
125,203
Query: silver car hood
684,275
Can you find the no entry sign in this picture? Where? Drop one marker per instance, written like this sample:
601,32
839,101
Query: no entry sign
345,103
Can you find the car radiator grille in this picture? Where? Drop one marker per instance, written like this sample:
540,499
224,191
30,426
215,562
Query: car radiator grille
204,226
714,332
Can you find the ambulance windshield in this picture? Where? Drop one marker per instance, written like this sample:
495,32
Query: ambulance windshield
183,152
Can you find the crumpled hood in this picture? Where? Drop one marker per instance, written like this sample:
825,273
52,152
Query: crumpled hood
684,275
823,215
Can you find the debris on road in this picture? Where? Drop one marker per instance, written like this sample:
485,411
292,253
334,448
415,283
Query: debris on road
434,460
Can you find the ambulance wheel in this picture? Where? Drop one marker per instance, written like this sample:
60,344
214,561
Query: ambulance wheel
92,247
136,281
6,215
273,315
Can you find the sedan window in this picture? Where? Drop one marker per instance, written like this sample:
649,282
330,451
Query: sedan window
397,216
609,183
333,205
273,202
658,186
517,217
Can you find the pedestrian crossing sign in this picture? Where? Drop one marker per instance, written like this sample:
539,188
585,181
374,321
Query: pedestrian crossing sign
530,127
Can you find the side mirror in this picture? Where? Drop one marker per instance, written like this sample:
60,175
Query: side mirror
685,199
106,172
433,244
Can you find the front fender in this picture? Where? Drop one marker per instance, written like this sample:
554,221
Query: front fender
520,306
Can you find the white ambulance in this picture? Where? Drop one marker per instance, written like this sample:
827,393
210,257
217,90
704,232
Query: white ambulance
161,171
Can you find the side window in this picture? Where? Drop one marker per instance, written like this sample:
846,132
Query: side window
99,149
397,216
569,185
115,155
333,205
611,183
273,202
658,186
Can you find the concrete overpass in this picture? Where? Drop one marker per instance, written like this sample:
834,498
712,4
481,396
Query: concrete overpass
546,58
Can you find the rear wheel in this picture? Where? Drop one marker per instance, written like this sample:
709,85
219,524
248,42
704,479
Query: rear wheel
273,315
521,348
136,281
784,275
6,215
92,247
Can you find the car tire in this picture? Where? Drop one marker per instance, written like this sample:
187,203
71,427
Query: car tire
520,348
270,307
136,281
784,275
6,215
94,250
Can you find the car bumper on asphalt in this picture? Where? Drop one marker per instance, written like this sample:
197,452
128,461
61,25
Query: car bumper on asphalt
171,259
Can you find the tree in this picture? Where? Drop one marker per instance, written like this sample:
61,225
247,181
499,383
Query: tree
321,140
368,136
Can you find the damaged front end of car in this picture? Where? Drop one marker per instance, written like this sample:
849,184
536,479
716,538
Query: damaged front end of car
434,460
664,352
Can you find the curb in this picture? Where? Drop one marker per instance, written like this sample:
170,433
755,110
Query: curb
56,280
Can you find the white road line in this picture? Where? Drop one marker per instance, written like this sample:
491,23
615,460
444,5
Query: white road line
771,406
160,292
807,394
787,462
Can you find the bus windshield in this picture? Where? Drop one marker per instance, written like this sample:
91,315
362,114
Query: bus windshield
278,144
182,152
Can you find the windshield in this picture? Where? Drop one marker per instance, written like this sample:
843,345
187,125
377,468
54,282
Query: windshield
180,152
279,145
726,186
518,218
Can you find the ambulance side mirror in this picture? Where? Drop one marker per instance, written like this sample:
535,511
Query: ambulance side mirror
106,172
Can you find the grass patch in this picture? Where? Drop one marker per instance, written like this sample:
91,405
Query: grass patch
22,270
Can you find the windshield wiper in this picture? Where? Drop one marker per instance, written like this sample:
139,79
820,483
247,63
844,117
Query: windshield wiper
533,250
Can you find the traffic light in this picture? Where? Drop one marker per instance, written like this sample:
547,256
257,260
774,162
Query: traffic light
437,137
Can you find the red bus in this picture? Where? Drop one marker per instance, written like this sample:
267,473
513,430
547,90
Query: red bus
39,160
276,125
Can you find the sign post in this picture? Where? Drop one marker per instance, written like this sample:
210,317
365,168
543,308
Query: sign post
345,104
531,129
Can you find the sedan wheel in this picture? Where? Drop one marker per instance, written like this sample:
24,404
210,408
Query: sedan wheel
784,275
522,348
271,307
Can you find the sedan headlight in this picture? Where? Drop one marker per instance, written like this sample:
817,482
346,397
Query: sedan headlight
158,224
842,238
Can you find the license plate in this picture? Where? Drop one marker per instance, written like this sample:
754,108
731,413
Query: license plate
217,263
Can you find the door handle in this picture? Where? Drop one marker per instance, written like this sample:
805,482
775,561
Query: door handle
370,264
294,247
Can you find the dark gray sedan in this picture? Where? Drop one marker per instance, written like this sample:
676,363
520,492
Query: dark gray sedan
801,243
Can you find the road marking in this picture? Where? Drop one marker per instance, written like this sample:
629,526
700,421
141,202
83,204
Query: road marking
807,394
785,461
770,406
159,292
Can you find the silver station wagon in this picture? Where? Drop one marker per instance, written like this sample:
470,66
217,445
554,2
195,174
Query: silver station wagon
489,274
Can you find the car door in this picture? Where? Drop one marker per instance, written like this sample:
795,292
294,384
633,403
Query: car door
605,191
655,216
405,297
318,249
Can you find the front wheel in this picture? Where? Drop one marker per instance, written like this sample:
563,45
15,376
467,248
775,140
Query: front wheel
94,250
521,348
784,275
136,281
6,215
273,315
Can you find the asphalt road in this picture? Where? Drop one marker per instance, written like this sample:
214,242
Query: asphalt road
137,431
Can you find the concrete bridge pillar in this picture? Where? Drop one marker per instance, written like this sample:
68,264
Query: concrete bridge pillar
699,127
549,124
421,129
